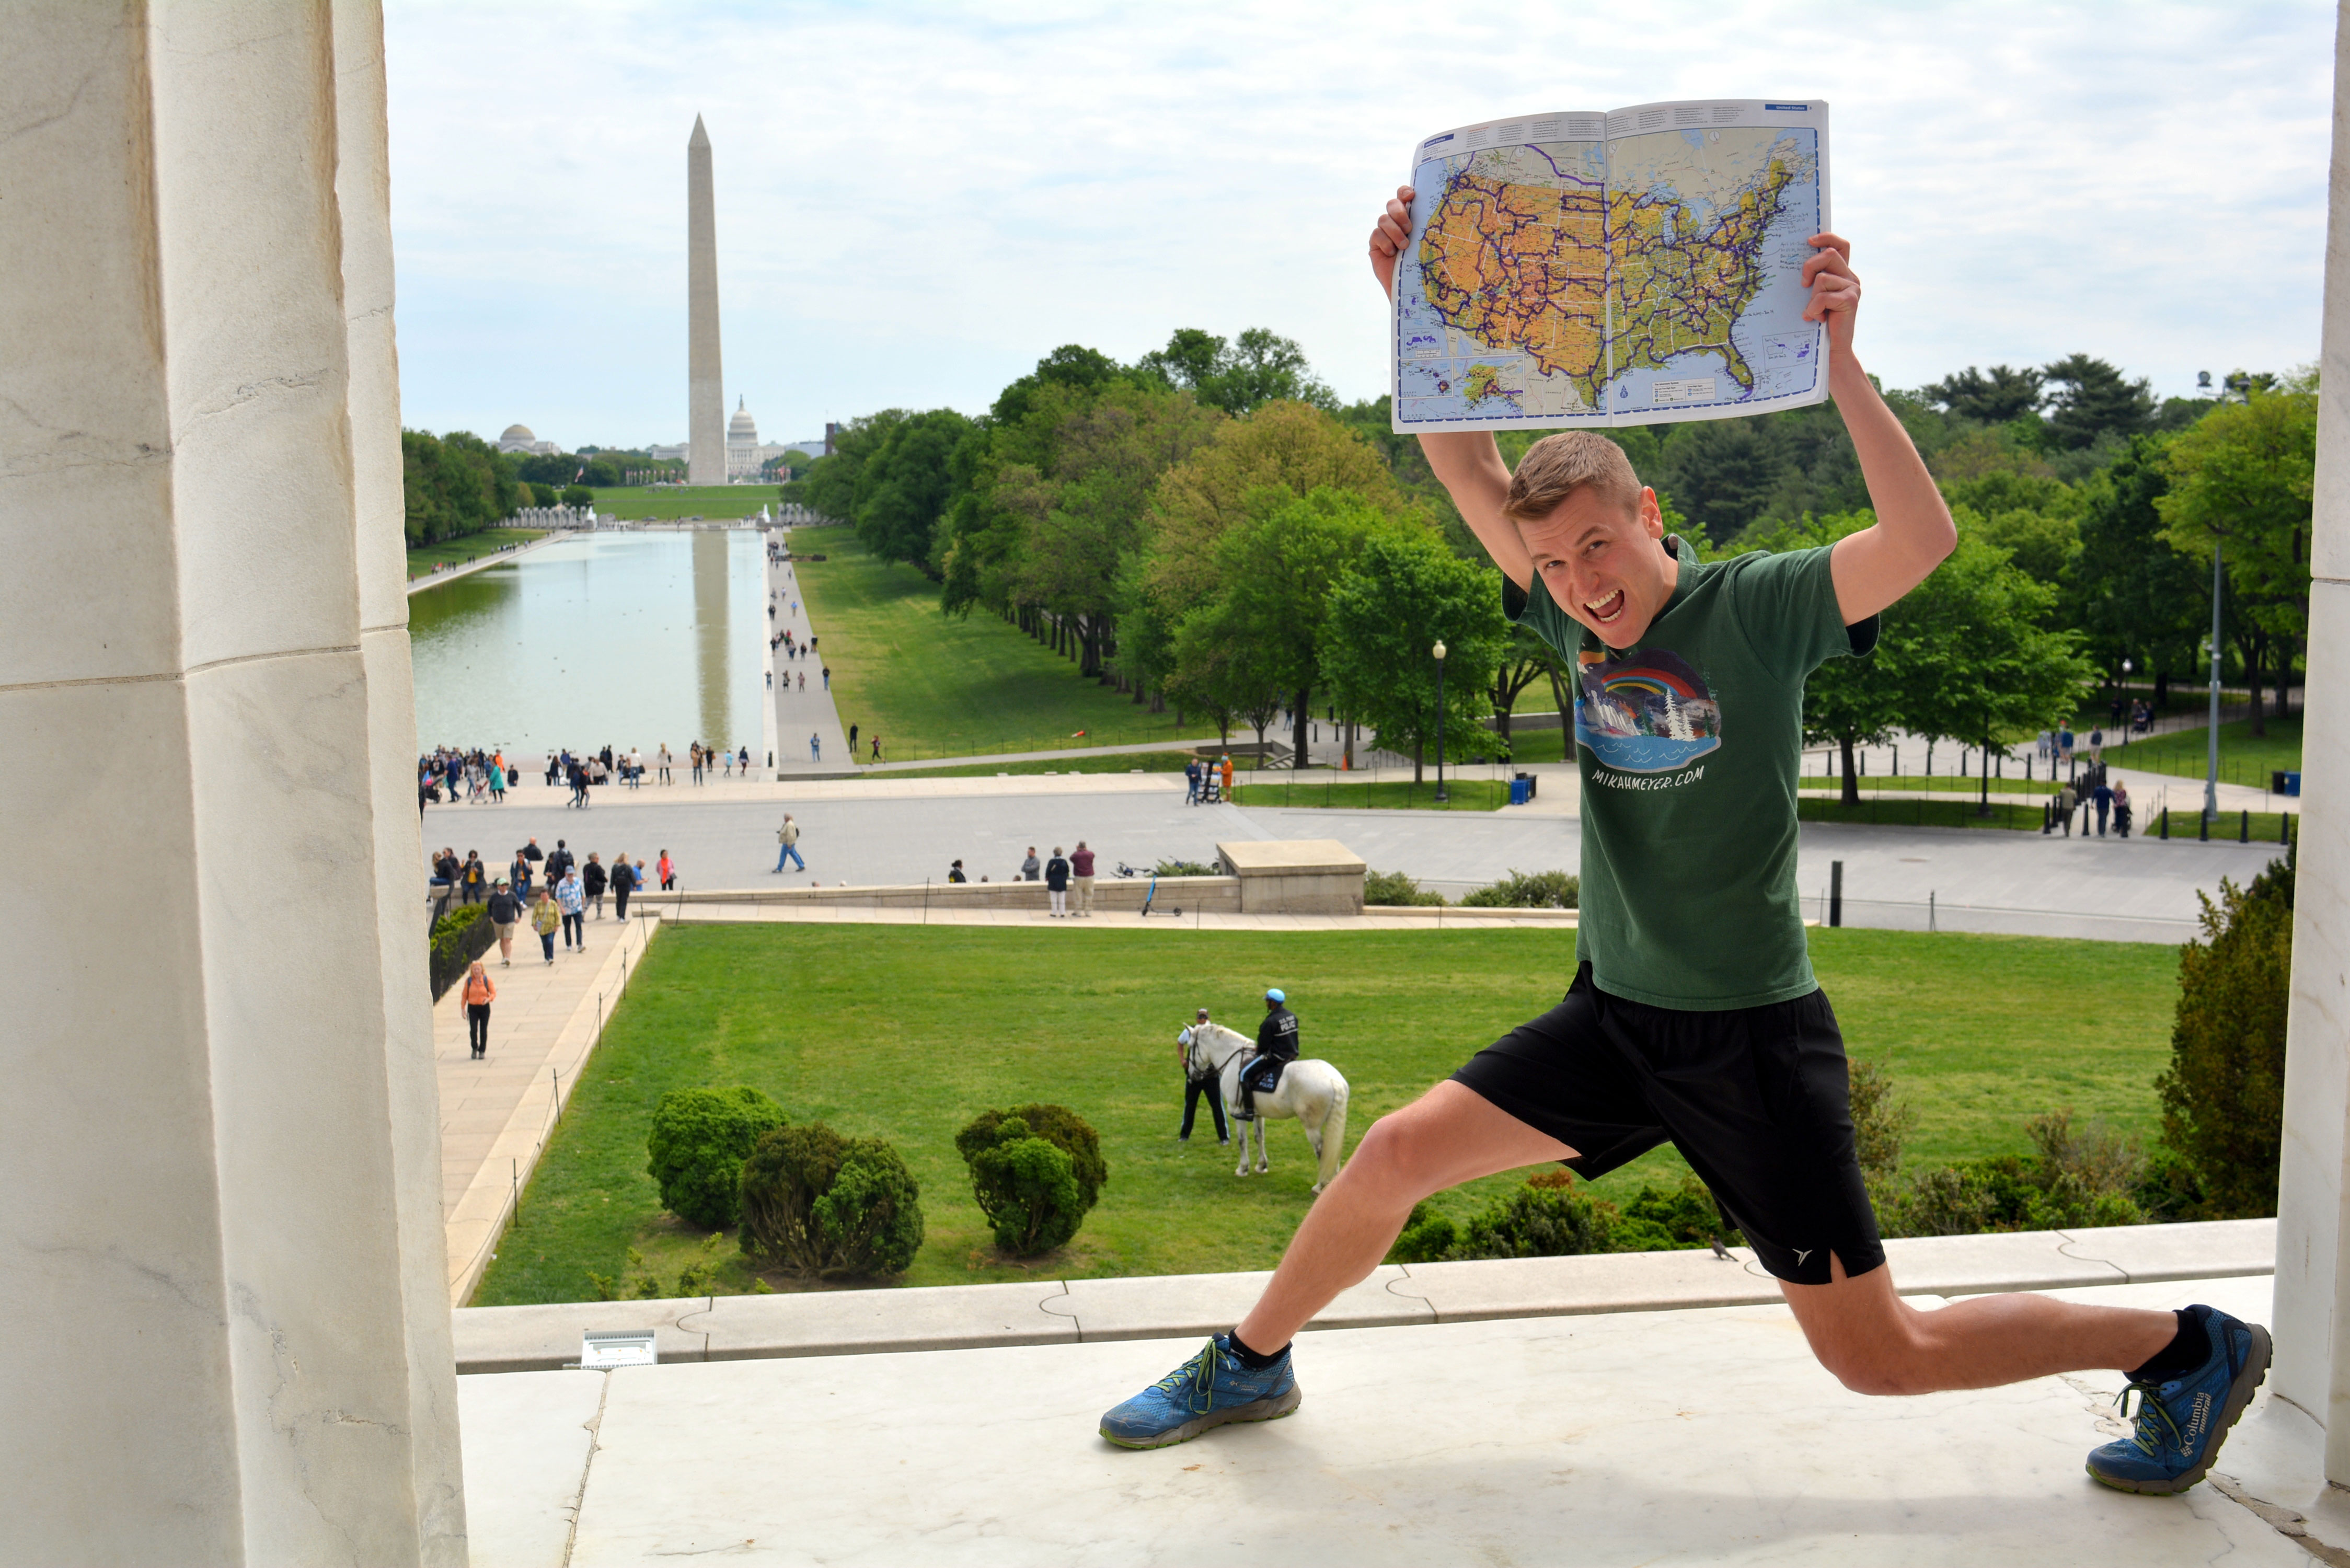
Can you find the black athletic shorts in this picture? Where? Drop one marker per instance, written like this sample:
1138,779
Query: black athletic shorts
1756,1099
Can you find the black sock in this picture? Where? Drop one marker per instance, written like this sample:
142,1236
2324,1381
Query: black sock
2189,1348
1253,1360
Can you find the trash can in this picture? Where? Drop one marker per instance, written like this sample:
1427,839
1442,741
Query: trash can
1518,795
2283,783
1531,783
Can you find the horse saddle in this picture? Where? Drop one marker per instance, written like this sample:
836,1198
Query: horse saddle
1263,1075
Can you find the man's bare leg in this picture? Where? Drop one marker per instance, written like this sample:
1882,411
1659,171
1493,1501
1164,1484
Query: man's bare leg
1876,1343
1449,1135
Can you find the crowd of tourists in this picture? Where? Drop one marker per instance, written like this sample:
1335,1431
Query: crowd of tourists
451,774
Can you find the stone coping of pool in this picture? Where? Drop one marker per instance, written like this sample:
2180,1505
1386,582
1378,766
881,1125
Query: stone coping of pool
1071,1312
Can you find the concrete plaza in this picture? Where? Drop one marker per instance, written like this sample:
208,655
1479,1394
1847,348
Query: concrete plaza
1704,1436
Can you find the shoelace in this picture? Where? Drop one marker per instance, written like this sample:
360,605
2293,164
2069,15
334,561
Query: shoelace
1200,1374
2151,1408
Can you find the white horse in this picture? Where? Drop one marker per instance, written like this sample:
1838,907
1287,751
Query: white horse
1311,1091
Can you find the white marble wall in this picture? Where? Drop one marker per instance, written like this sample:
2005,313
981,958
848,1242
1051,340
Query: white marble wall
2313,1280
222,1239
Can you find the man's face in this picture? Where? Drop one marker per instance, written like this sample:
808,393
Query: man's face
1604,565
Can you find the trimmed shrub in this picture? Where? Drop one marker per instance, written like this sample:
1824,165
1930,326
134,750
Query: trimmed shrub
458,937
1182,868
1393,888
699,1139
828,1208
2223,1094
1549,1217
2080,1176
1880,1120
1528,891
1037,1171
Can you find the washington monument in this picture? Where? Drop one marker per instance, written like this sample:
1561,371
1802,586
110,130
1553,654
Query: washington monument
705,389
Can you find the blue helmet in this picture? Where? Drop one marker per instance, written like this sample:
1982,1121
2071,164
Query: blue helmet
1275,995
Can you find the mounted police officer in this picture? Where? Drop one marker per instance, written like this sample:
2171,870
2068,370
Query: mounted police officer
1276,1047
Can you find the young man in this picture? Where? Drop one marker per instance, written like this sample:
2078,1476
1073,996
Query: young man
1693,1015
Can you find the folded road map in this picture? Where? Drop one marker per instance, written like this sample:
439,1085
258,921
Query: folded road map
1629,267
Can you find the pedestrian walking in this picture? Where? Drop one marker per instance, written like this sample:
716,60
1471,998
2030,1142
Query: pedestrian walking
480,991
816,747
827,675
1081,874
544,918
662,760
2102,797
1191,782
743,761
852,740
571,898
593,879
726,764
693,757
1228,776
2121,809
504,911
518,875
1032,867
876,748
787,841
626,879
1195,1088
1057,883
2064,746
559,863
803,680
475,879
667,873
497,784
2065,801
2096,746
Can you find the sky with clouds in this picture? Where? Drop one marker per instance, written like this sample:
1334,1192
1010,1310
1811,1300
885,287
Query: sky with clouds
915,202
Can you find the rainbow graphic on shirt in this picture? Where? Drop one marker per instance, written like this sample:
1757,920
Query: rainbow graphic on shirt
1647,712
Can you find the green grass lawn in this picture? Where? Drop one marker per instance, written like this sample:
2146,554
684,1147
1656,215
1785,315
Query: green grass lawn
934,685
1918,813
1879,783
1321,789
908,1032
425,559
2243,759
1110,762
713,502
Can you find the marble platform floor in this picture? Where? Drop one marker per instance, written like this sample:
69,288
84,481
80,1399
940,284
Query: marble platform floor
1677,1436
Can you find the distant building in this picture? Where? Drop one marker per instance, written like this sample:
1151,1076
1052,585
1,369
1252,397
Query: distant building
744,455
519,438
677,453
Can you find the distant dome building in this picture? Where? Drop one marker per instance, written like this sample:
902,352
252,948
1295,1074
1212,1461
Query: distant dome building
744,456
519,438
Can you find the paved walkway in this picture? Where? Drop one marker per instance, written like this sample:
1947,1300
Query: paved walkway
495,559
800,711
495,1112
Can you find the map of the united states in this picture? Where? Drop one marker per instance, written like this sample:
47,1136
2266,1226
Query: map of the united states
1545,276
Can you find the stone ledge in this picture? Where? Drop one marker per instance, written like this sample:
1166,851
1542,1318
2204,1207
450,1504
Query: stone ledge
1049,1311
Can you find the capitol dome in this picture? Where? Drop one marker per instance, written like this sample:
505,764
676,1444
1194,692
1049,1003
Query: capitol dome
741,430
517,432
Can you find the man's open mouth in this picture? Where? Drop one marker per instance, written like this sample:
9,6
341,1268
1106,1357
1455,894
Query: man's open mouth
1606,609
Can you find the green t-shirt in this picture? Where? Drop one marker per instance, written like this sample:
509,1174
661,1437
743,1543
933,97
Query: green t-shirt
1689,745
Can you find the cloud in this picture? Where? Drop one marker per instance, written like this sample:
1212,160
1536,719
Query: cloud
916,203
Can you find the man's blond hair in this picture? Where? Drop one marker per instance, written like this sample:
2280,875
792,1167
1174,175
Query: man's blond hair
1557,466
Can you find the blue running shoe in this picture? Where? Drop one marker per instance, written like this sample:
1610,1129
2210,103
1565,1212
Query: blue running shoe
1212,1388
2181,1421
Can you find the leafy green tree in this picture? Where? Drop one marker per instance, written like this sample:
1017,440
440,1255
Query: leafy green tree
1850,703
2093,399
454,484
2132,595
1528,659
1405,593
1238,377
1994,396
1968,656
1277,571
904,483
578,496
555,468
698,1142
2242,479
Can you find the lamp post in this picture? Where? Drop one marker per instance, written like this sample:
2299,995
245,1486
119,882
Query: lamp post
1439,651
2129,705
2211,777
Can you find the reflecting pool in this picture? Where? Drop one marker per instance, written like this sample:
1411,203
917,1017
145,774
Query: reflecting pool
625,638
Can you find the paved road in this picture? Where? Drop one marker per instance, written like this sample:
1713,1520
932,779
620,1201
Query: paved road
2135,889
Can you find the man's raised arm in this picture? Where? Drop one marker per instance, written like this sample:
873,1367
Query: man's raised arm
1466,462
1913,532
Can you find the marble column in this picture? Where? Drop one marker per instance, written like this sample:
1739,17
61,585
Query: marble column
706,409
2312,1282
221,1245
